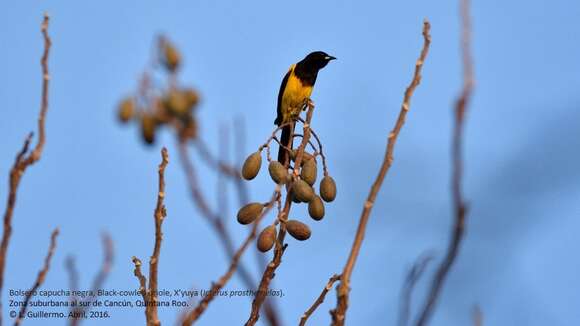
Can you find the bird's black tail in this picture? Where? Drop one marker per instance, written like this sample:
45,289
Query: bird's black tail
285,140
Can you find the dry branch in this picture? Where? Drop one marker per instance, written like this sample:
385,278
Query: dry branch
218,225
338,314
319,300
280,247
457,170
216,287
411,280
477,316
108,257
73,281
23,161
150,293
40,278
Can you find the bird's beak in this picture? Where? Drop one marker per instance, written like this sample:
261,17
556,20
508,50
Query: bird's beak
328,58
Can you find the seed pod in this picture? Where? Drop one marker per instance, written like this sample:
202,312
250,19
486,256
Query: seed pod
170,55
126,110
249,213
305,156
252,166
176,103
294,199
192,97
302,191
308,172
267,238
278,172
298,230
327,189
316,208
148,125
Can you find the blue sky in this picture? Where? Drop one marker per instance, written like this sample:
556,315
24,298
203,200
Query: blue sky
518,259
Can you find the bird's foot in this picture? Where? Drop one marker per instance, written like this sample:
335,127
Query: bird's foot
308,103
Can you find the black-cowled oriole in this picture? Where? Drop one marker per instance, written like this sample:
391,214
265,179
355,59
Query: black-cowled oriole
294,92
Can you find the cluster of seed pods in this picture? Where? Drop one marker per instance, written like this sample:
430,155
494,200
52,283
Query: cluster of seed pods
153,108
302,191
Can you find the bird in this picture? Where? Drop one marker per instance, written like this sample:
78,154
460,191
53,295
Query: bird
294,94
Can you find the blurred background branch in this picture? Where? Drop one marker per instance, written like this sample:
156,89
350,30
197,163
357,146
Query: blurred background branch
459,205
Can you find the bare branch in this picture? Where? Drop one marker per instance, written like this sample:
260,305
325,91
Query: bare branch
216,287
411,280
338,314
217,223
457,168
73,279
22,161
108,256
142,279
319,300
477,316
40,278
150,294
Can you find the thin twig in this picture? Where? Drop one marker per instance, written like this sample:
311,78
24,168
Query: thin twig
150,293
224,169
141,278
457,174
280,247
338,314
222,166
477,316
40,278
222,188
411,280
219,227
73,281
324,164
217,286
22,161
240,145
319,300
108,256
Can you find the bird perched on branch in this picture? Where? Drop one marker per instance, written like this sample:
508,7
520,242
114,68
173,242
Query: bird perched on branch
295,93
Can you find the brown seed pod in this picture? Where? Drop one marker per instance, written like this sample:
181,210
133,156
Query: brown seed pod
328,189
308,172
305,157
252,166
249,213
267,238
170,56
192,97
298,230
316,208
302,191
148,125
278,172
294,199
176,103
126,110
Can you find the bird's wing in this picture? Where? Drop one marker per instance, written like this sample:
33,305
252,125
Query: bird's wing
279,117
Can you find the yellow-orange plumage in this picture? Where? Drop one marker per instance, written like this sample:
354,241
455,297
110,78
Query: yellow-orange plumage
294,96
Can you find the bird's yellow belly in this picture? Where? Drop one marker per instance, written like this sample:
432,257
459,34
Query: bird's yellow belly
294,97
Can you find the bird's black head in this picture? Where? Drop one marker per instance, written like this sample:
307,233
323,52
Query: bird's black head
316,61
